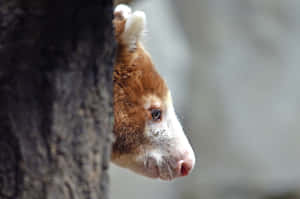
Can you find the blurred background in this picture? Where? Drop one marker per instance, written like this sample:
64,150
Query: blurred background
234,69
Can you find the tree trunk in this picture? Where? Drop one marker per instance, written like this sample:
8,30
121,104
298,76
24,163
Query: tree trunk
56,63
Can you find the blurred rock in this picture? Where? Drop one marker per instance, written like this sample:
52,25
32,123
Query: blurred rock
245,102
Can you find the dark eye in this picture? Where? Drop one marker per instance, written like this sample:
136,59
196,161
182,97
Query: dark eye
156,114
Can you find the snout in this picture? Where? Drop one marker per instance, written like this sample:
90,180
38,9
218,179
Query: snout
176,166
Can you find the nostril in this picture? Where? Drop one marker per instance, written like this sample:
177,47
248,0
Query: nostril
185,167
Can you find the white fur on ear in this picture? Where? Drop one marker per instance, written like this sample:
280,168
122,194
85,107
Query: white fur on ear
124,10
134,29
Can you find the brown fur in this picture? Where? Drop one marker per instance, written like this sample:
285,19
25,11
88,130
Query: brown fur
134,78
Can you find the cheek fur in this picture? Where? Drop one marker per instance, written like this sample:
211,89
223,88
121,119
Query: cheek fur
129,129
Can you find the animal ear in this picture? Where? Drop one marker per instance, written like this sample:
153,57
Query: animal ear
133,25
122,11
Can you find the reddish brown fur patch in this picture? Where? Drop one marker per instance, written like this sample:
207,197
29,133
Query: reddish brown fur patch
134,77
119,25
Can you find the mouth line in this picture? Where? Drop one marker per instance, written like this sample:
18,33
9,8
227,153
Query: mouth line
167,176
156,172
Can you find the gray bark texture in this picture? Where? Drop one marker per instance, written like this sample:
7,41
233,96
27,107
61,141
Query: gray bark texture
56,64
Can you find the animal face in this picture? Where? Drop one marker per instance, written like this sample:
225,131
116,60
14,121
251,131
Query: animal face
148,136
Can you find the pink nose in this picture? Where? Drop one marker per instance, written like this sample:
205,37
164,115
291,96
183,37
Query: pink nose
185,166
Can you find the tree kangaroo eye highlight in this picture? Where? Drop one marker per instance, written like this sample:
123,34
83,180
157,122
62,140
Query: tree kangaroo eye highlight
156,114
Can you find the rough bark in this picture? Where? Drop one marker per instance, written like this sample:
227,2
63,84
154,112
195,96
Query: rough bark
56,63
